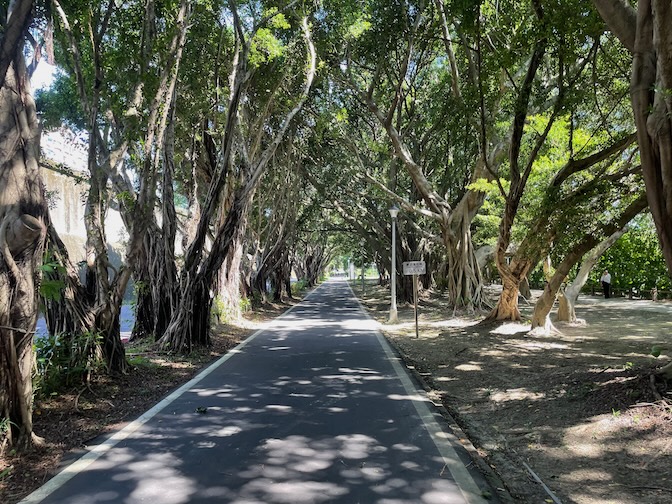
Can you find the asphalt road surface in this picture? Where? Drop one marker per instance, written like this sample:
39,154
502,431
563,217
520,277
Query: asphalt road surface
314,409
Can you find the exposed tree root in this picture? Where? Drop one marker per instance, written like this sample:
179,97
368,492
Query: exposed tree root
665,372
37,441
654,389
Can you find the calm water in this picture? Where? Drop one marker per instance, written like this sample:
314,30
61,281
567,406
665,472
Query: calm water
127,320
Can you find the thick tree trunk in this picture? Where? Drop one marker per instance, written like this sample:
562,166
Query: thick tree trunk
101,292
568,297
144,304
542,309
566,307
652,114
461,273
507,304
23,212
67,313
512,276
646,33
287,278
156,284
524,288
190,324
280,276
229,284
157,292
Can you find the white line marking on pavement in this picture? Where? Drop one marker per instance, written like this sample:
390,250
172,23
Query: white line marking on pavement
98,451
442,439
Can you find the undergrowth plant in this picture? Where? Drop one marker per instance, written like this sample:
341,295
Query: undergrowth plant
298,287
64,360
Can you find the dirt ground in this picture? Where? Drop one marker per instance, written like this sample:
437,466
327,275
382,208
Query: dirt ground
564,418
71,420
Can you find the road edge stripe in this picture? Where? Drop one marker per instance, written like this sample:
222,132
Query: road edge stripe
442,439
79,465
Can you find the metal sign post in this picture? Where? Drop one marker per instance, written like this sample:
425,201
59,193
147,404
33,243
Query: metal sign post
415,303
415,268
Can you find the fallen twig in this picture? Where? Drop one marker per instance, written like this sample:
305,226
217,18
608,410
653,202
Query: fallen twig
543,485
76,406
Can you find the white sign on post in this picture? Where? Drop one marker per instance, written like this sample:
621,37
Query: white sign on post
414,268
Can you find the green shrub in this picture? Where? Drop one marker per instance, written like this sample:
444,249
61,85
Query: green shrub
298,287
221,312
65,359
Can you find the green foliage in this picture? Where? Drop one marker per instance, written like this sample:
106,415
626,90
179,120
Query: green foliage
52,284
222,313
140,361
219,312
126,198
265,47
60,105
298,287
359,26
64,360
635,260
5,424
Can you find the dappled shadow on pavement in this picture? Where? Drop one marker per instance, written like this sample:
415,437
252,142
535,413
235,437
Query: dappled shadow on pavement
310,411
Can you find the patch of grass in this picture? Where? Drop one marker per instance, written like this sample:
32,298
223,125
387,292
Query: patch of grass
142,361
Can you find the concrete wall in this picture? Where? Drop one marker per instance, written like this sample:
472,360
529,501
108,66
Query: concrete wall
67,197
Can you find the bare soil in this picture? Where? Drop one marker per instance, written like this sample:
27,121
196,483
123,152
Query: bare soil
77,417
577,409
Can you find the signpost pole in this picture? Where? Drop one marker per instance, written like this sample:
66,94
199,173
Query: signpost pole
415,302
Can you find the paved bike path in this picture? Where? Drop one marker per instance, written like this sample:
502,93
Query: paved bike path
314,409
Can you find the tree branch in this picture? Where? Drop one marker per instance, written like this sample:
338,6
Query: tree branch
576,165
17,22
621,19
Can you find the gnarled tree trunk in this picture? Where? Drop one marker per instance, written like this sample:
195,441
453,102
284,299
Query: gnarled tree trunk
23,211
646,33
230,281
